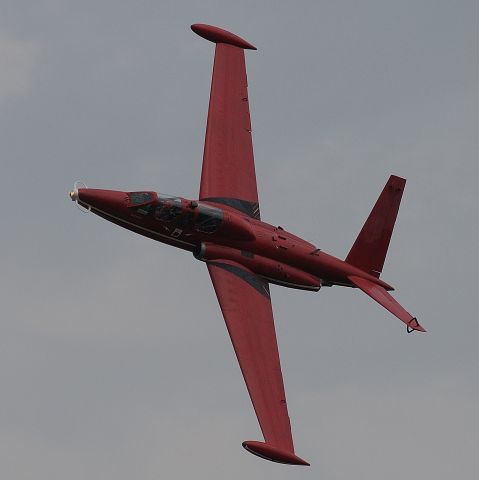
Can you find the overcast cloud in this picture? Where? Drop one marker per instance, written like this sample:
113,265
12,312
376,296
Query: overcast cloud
114,359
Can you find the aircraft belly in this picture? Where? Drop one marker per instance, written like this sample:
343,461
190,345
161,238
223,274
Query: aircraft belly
272,270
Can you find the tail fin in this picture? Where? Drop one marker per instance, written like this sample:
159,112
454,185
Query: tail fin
381,296
370,248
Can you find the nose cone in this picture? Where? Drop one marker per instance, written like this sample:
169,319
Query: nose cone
106,200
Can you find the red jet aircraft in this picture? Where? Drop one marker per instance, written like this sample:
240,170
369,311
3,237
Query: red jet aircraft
244,254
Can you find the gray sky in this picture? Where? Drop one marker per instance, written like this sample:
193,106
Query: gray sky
106,370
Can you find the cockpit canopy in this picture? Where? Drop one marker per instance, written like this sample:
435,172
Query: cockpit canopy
180,213
168,208
200,217
141,198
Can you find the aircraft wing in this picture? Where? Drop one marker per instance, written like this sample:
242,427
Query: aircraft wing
228,174
228,177
245,302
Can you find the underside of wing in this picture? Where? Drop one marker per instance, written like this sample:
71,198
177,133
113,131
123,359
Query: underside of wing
245,303
228,174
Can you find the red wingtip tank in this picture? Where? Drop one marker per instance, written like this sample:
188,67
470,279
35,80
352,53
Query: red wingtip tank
274,454
218,35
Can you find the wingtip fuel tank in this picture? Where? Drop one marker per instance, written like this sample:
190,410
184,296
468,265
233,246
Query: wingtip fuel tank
272,453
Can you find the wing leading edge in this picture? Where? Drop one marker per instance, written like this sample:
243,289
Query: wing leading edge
246,306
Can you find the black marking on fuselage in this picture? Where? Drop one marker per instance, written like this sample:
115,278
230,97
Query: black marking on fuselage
257,283
244,206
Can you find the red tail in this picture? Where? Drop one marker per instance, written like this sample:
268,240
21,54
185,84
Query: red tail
381,296
369,250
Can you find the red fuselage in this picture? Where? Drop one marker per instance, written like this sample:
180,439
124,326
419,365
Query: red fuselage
217,231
